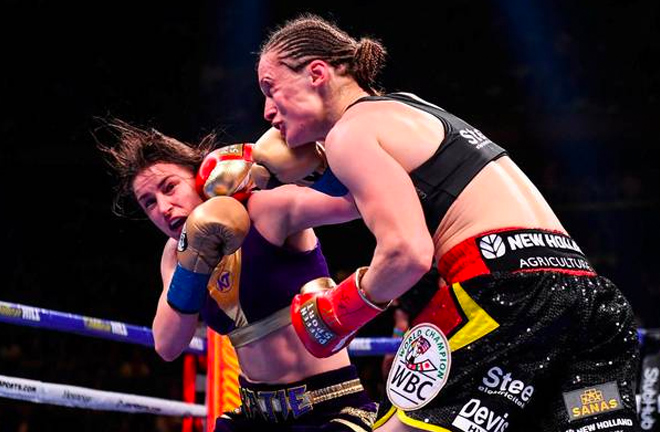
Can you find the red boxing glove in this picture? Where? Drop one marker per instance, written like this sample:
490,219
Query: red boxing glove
226,172
326,321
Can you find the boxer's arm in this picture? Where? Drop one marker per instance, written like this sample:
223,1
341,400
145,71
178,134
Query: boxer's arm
172,330
388,203
213,229
288,210
326,321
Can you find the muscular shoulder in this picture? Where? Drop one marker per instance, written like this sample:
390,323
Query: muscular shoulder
360,119
388,125
383,118
362,129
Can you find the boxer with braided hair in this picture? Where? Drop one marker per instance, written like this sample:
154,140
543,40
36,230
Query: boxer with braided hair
538,340
236,258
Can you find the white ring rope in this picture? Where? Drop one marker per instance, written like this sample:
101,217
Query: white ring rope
81,397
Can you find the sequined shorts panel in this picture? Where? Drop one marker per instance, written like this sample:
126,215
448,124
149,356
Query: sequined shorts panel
564,356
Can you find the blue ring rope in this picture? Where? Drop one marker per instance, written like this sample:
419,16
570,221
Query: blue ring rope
14,313
18,314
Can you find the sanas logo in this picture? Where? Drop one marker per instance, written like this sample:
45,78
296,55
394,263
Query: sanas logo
591,401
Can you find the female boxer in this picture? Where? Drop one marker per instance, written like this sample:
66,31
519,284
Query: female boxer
249,259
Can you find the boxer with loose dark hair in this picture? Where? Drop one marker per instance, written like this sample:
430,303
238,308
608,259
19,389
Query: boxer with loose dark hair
142,148
237,265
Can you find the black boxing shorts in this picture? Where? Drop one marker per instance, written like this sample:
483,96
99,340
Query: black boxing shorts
331,401
538,341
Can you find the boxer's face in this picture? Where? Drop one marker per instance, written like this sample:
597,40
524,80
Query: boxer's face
293,104
166,192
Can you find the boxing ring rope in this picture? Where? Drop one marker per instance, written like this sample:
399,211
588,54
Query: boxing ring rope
221,366
14,313
81,397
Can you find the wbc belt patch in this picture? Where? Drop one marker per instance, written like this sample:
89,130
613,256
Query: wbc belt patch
420,368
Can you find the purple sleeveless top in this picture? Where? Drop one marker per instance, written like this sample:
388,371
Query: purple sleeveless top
270,276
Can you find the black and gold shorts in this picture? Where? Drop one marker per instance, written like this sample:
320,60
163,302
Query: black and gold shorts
331,401
539,342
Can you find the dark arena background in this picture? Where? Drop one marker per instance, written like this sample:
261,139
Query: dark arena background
570,88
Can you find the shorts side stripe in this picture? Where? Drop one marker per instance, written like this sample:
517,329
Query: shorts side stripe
478,325
419,424
381,421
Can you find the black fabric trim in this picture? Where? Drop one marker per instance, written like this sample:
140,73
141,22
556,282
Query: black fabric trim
440,179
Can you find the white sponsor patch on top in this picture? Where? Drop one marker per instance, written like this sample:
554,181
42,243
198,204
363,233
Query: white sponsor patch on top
420,368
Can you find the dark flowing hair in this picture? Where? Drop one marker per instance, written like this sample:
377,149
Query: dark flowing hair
132,150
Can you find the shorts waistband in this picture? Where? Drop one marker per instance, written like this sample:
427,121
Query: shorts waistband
280,402
513,250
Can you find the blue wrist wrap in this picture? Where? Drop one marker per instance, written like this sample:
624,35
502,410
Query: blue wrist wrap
187,291
329,184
